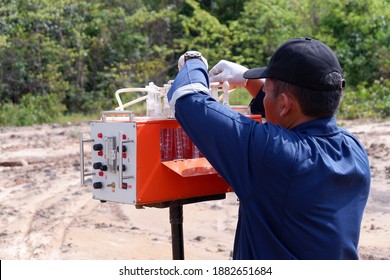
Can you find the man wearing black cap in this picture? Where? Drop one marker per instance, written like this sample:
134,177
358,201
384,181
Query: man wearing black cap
301,180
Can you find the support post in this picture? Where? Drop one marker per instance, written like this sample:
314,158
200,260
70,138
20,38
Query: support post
176,220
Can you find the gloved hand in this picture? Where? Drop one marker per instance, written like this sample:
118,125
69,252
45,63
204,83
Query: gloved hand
181,61
228,71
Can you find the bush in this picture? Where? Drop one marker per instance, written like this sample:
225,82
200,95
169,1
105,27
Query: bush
366,101
32,109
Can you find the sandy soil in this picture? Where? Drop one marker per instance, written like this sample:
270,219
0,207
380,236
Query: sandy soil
46,214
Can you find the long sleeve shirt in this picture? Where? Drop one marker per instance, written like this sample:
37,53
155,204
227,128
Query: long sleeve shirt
302,191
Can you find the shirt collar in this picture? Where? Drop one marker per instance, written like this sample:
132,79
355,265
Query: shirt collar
319,127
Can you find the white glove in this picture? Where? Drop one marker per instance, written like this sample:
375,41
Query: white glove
228,71
181,61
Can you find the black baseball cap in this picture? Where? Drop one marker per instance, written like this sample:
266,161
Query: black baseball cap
301,61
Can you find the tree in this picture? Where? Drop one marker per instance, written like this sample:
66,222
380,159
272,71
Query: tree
358,31
80,52
262,27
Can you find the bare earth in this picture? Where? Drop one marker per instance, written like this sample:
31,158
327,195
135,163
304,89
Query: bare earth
46,214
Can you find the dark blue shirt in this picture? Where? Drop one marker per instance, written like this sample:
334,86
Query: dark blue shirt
302,192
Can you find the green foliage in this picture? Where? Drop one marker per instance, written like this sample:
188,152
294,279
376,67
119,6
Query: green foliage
263,26
80,52
199,30
358,32
224,10
31,110
367,101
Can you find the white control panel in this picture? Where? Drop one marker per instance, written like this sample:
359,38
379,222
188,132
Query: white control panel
114,161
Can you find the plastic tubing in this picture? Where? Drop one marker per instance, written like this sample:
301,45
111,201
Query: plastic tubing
121,105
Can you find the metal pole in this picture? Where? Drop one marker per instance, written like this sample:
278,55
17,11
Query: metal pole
176,220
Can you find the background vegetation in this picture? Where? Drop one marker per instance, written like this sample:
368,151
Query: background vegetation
68,57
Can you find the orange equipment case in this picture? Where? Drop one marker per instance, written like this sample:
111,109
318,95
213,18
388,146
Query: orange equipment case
131,164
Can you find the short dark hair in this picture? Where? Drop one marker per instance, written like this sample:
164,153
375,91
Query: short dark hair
315,103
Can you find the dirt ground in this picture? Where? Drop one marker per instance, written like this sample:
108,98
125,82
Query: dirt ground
45,213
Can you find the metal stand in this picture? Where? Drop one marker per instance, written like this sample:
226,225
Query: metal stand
176,220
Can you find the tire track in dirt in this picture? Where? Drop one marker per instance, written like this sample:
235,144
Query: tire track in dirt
49,223
41,224
46,196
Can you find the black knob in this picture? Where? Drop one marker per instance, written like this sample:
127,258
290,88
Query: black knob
103,168
123,167
97,147
97,165
124,149
97,185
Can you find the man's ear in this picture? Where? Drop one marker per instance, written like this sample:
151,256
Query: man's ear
286,102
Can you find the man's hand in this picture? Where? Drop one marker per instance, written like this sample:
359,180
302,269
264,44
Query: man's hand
228,71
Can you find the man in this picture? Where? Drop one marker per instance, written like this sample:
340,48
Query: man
302,181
